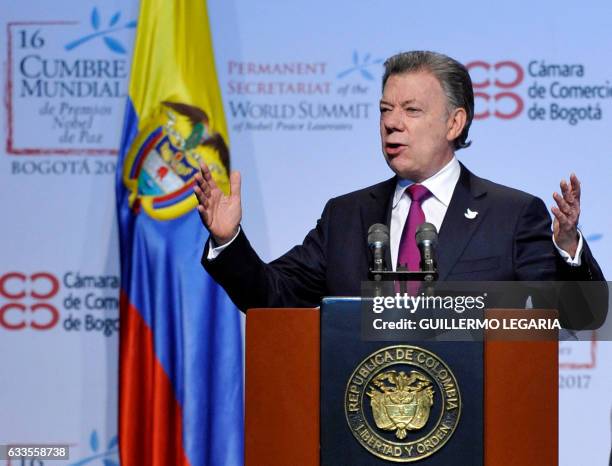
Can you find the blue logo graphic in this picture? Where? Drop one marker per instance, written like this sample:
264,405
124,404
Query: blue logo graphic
111,42
594,237
361,66
107,457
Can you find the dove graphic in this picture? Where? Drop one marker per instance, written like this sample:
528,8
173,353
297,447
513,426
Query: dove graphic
470,214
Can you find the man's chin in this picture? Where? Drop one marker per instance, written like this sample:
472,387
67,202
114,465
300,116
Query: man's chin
401,169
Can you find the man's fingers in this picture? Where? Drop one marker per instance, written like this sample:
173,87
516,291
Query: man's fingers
575,183
235,182
204,170
567,191
204,175
202,188
199,193
199,181
207,175
560,216
204,201
562,203
202,193
571,190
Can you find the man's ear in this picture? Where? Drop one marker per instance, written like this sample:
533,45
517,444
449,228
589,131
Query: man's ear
456,123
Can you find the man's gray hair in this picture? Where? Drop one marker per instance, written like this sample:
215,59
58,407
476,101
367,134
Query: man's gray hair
452,76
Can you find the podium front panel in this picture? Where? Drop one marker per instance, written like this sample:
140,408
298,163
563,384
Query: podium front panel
343,351
299,363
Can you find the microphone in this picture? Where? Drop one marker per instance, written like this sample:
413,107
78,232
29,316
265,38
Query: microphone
378,241
427,241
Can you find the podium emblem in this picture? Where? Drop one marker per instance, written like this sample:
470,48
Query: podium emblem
402,403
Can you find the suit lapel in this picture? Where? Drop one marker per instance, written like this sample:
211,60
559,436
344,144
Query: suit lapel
457,228
377,209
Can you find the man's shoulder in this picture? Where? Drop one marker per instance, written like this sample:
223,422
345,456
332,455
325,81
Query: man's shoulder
498,193
382,190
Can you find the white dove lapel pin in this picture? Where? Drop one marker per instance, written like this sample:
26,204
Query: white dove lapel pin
470,214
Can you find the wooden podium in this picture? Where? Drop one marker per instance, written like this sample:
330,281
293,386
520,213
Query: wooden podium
282,393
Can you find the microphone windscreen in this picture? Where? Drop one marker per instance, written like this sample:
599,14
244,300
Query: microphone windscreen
426,232
378,233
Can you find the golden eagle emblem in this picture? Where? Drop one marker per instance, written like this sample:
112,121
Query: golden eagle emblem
400,401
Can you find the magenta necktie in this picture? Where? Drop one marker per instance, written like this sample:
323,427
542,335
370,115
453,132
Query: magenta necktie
409,255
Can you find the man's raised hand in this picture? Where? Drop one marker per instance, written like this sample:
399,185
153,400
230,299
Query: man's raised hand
567,213
220,214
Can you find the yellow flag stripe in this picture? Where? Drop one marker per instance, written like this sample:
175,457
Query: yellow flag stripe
174,60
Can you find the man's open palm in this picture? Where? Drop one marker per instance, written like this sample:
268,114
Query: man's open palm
221,214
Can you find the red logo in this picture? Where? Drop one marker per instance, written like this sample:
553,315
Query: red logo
35,289
497,79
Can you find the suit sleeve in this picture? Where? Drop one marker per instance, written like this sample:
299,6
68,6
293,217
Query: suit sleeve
534,255
536,258
295,279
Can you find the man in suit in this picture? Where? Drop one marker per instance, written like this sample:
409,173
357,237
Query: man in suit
487,231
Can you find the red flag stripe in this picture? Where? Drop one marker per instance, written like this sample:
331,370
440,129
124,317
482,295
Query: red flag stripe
150,418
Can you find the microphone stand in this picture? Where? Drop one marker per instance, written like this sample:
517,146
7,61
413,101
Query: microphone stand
402,276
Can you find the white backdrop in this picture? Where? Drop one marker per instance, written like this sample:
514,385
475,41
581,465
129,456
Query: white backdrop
301,82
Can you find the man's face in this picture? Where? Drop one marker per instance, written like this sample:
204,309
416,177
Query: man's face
415,125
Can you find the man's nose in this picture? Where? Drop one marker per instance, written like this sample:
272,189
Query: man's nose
393,122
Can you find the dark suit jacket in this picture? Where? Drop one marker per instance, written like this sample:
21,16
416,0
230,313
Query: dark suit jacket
510,239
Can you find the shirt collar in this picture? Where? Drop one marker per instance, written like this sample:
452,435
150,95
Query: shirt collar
441,185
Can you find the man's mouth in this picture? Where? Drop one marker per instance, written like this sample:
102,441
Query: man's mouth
392,148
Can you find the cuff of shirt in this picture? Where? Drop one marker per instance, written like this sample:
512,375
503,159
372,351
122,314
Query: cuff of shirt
214,251
575,261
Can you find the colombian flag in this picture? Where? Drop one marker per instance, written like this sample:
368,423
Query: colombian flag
180,400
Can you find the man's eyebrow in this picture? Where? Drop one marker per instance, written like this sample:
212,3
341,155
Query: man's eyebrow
405,102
